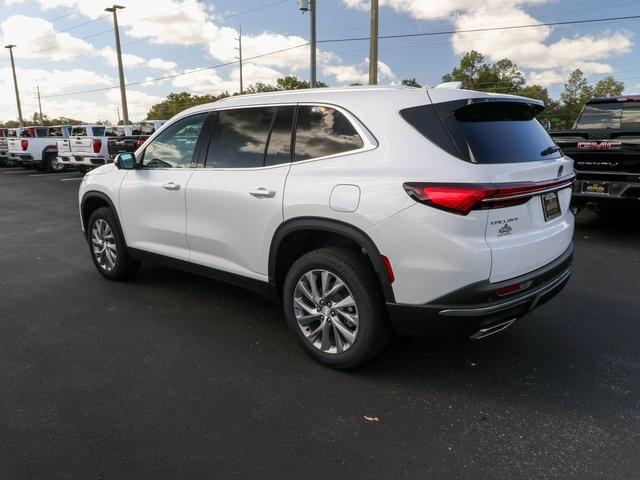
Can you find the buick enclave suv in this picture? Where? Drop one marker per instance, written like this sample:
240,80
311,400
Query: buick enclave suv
365,211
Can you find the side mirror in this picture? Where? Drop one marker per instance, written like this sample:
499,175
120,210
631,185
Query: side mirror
125,161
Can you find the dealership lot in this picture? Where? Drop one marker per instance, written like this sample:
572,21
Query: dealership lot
171,374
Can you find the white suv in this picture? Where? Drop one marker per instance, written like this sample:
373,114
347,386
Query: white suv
363,210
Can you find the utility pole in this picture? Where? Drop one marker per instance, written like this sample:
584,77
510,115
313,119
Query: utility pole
239,57
123,94
39,104
15,83
373,45
310,6
118,110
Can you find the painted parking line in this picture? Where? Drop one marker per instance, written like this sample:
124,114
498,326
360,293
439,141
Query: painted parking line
49,174
16,171
70,179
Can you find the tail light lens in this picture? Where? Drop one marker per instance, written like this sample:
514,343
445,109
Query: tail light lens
462,198
139,142
32,132
24,144
97,145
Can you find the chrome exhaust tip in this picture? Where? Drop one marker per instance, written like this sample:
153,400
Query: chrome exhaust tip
485,332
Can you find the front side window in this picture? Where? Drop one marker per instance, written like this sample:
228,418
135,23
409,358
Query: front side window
322,131
174,147
240,138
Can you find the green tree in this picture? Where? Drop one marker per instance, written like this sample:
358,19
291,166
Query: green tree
608,87
290,82
475,74
575,94
550,113
177,102
410,82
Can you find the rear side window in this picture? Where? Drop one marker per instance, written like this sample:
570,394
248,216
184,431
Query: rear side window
323,131
240,138
175,145
78,132
485,132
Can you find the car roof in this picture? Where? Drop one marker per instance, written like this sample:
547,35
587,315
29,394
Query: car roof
349,96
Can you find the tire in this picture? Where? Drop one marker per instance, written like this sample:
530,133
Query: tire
51,163
101,239
372,332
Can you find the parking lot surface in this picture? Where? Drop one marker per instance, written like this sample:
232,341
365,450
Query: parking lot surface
172,375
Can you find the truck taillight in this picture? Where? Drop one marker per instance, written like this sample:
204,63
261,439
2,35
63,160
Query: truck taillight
461,198
97,145
139,142
24,144
32,132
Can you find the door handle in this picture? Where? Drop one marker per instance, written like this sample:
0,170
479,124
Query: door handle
263,193
171,186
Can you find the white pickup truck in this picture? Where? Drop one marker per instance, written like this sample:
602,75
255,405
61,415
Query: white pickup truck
86,148
36,147
5,133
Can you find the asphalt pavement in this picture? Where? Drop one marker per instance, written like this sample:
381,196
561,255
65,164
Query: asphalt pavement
171,375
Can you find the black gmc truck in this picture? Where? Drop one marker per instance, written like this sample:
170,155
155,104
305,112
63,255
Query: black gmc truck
605,146
129,137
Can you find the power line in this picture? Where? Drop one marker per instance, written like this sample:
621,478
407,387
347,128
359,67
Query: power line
487,29
175,75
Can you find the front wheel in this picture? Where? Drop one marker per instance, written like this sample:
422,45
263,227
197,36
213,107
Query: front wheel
333,305
107,246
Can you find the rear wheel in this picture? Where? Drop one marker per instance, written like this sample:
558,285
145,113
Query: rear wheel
107,246
51,163
334,307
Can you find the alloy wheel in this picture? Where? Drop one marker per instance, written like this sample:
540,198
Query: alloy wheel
103,244
326,311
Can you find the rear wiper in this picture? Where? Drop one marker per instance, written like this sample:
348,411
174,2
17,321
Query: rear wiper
549,151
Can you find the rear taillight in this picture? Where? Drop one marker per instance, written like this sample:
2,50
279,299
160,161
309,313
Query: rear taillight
97,145
24,144
461,198
510,289
32,132
139,142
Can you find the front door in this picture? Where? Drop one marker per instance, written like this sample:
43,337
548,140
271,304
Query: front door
152,197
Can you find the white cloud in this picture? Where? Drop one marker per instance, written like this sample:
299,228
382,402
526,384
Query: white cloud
36,38
210,82
161,64
129,60
547,61
359,73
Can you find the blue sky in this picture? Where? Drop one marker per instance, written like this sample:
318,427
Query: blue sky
169,37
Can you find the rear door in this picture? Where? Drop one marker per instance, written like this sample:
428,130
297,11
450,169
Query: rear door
235,203
152,197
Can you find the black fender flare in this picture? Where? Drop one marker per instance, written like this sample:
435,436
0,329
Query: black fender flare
48,149
333,226
102,196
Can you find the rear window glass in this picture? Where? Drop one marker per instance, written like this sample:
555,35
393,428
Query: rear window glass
610,115
485,132
97,131
55,132
114,132
12,133
142,129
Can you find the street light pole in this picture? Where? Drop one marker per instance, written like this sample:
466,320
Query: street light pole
15,83
123,94
373,44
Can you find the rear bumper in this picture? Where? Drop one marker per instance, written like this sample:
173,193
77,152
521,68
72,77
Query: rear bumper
23,157
87,161
623,187
473,311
